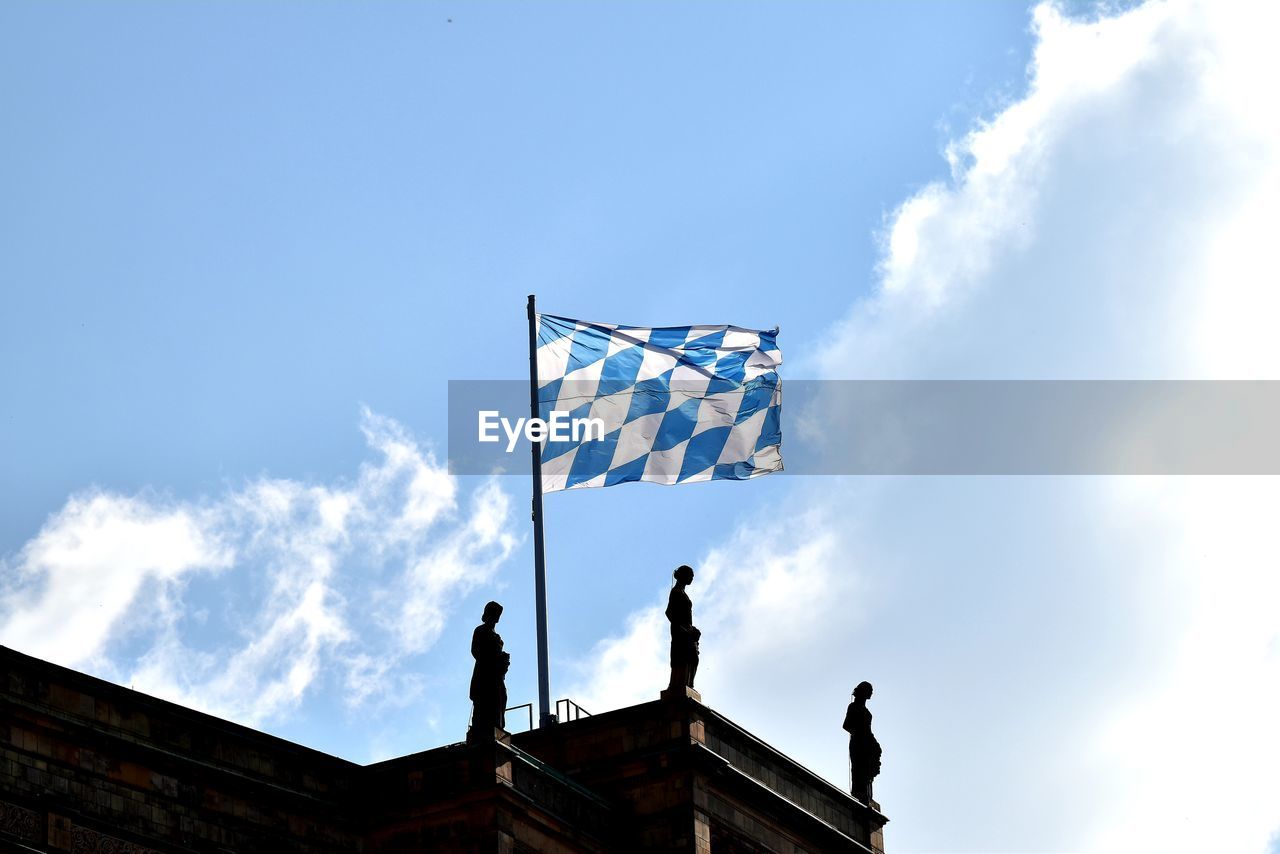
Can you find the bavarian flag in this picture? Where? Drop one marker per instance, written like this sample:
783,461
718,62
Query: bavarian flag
678,404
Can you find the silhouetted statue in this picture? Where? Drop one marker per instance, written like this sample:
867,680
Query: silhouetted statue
488,679
864,750
684,635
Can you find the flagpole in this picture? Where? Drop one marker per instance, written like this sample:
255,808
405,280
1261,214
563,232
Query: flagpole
545,718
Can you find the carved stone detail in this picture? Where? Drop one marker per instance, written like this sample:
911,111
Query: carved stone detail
86,841
19,821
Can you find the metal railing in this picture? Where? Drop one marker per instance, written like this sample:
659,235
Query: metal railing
572,712
570,708
528,706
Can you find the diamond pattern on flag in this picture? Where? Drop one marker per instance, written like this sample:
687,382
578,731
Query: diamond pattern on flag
679,404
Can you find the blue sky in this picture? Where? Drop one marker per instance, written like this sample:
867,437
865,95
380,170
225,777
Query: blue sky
234,225
244,247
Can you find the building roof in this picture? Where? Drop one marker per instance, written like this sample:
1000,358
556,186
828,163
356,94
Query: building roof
89,765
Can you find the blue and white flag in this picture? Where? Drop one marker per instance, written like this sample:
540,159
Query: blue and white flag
678,404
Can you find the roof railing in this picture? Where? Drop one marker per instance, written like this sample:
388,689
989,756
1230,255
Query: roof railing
527,706
572,711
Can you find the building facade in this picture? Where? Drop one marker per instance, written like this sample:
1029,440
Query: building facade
89,766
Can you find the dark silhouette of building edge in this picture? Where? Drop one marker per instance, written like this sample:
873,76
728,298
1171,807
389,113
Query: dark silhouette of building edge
91,766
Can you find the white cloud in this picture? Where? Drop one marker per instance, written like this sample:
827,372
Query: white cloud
1061,664
1115,223
293,567
1109,224
87,565
1191,754
764,600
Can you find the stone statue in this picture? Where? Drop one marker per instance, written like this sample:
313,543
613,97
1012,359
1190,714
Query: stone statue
488,679
684,635
864,750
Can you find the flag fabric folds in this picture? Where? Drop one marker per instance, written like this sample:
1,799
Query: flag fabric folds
678,404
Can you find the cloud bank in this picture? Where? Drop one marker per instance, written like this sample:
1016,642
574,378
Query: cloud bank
240,604
1062,664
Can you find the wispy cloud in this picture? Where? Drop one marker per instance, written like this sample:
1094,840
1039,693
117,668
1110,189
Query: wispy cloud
88,563
240,603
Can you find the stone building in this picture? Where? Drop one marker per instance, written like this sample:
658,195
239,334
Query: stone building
89,766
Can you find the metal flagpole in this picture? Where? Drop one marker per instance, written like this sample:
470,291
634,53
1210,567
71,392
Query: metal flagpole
545,718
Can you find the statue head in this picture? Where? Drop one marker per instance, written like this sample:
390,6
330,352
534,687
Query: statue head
863,691
683,574
492,613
